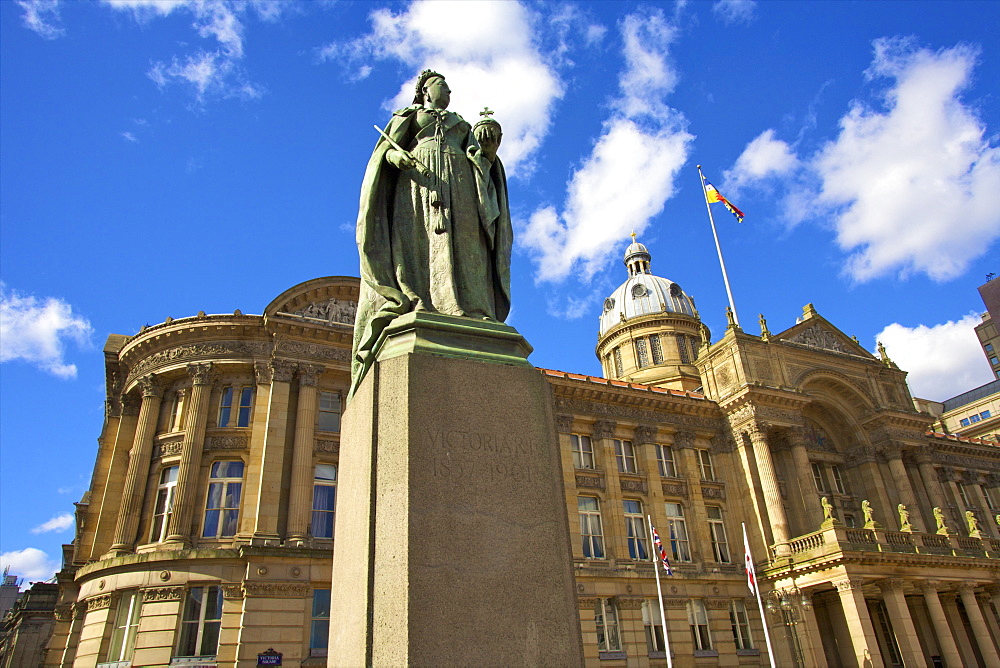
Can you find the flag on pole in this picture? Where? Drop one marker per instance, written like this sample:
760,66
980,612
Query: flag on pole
751,572
714,195
661,552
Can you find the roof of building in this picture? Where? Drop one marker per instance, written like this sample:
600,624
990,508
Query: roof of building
981,392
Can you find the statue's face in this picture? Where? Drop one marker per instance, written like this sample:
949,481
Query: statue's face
437,95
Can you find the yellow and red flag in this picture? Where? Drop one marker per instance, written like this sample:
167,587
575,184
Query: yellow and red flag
714,195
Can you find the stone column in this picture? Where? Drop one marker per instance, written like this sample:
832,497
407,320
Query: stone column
930,478
138,466
945,640
859,623
696,517
905,489
965,641
811,640
179,529
272,459
601,437
769,485
980,630
986,605
804,478
300,496
902,622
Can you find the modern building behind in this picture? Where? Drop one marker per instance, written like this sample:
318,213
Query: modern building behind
207,533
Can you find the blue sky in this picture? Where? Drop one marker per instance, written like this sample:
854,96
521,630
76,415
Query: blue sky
164,157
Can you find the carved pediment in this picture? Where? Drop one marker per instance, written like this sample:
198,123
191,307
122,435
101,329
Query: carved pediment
321,301
817,333
330,310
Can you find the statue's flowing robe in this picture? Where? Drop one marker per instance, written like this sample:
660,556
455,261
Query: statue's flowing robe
440,243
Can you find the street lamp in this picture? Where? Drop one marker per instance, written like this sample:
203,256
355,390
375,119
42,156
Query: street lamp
787,603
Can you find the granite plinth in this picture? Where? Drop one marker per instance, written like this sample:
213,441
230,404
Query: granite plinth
452,541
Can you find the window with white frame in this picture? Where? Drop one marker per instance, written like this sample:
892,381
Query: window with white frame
319,635
819,477
164,506
126,625
665,460
838,480
176,420
222,507
324,500
635,530
328,415
201,623
698,620
590,527
741,624
652,623
583,451
243,398
606,616
625,454
717,531
705,464
677,536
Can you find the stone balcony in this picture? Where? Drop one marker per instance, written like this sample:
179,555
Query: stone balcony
838,540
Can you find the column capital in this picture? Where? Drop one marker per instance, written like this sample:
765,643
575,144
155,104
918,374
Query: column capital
150,386
849,584
684,440
130,404
924,455
604,429
890,584
282,371
965,588
644,434
564,424
262,372
721,443
201,373
993,590
928,586
309,374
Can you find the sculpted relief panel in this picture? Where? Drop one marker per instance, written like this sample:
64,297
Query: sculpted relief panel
331,310
817,337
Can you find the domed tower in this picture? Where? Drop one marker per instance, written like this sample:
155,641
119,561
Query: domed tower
650,331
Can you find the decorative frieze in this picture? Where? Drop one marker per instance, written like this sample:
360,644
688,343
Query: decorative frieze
325,445
197,351
717,603
628,602
167,449
713,493
604,429
99,602
592,481
227,443
330,311
674,489
849,584
64,612
277,589
820,337
586,603
232,590
159,594
967,462
317,351
632,485
634,414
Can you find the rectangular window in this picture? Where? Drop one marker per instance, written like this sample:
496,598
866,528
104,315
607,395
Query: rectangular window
201,623
625,454
665,460
652,622
963,495
741,624
988,495
177,412
988,347
717,531
677,536
705,464
590,527
635,529
838,479
164,507
964,422
880,617
606,617
328,416
994,361
126,625
324,500
583,451
246,405
985,415
641,353
222,507
974,418
225,406
319,636
850,522
819,477
657,350
618,362
698,619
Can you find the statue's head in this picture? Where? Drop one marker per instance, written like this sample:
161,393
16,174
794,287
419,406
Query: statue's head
431,87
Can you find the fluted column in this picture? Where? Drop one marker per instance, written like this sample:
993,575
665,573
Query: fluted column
179,529
930,478
986,605
902,622
980,630
812,640
903,486
945,640
299,505
804,479
138,465
769,485
272,459
859,623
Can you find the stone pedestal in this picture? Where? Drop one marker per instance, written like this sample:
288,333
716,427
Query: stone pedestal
452,541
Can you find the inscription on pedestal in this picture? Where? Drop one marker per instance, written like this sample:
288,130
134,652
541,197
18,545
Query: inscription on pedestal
493,457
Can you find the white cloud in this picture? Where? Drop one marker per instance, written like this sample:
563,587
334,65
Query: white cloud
942,360
764,157
29,563
735,11
35,331
57,523
209,72
42,17
129,137
487,52
916,186
630,172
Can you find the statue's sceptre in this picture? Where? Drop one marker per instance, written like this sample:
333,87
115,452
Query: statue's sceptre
421,167
436,202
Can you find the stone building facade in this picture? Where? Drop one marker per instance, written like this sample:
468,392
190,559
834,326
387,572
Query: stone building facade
205,538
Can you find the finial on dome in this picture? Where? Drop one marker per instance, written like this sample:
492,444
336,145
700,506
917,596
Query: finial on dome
636,257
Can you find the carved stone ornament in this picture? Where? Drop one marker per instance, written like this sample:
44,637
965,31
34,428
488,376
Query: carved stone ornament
309,374
99,602
946,474
277,589
64,612
674,489
150,386
628,602
330,310
890,584
721,443
168,449
316,351
591,481
622,411
232,590
262,372
849,584
644,434
819,337
861,454
586,603
717,603
201,374
155,594
227,443
713,492
970,477
674,603
324,445
632,486
282,371
604,429
683,440
564,423
130,404
200,351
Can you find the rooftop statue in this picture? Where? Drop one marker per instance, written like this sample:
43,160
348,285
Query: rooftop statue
434,231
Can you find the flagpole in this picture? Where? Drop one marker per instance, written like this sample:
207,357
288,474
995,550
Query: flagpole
659,592
722,263
756,590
